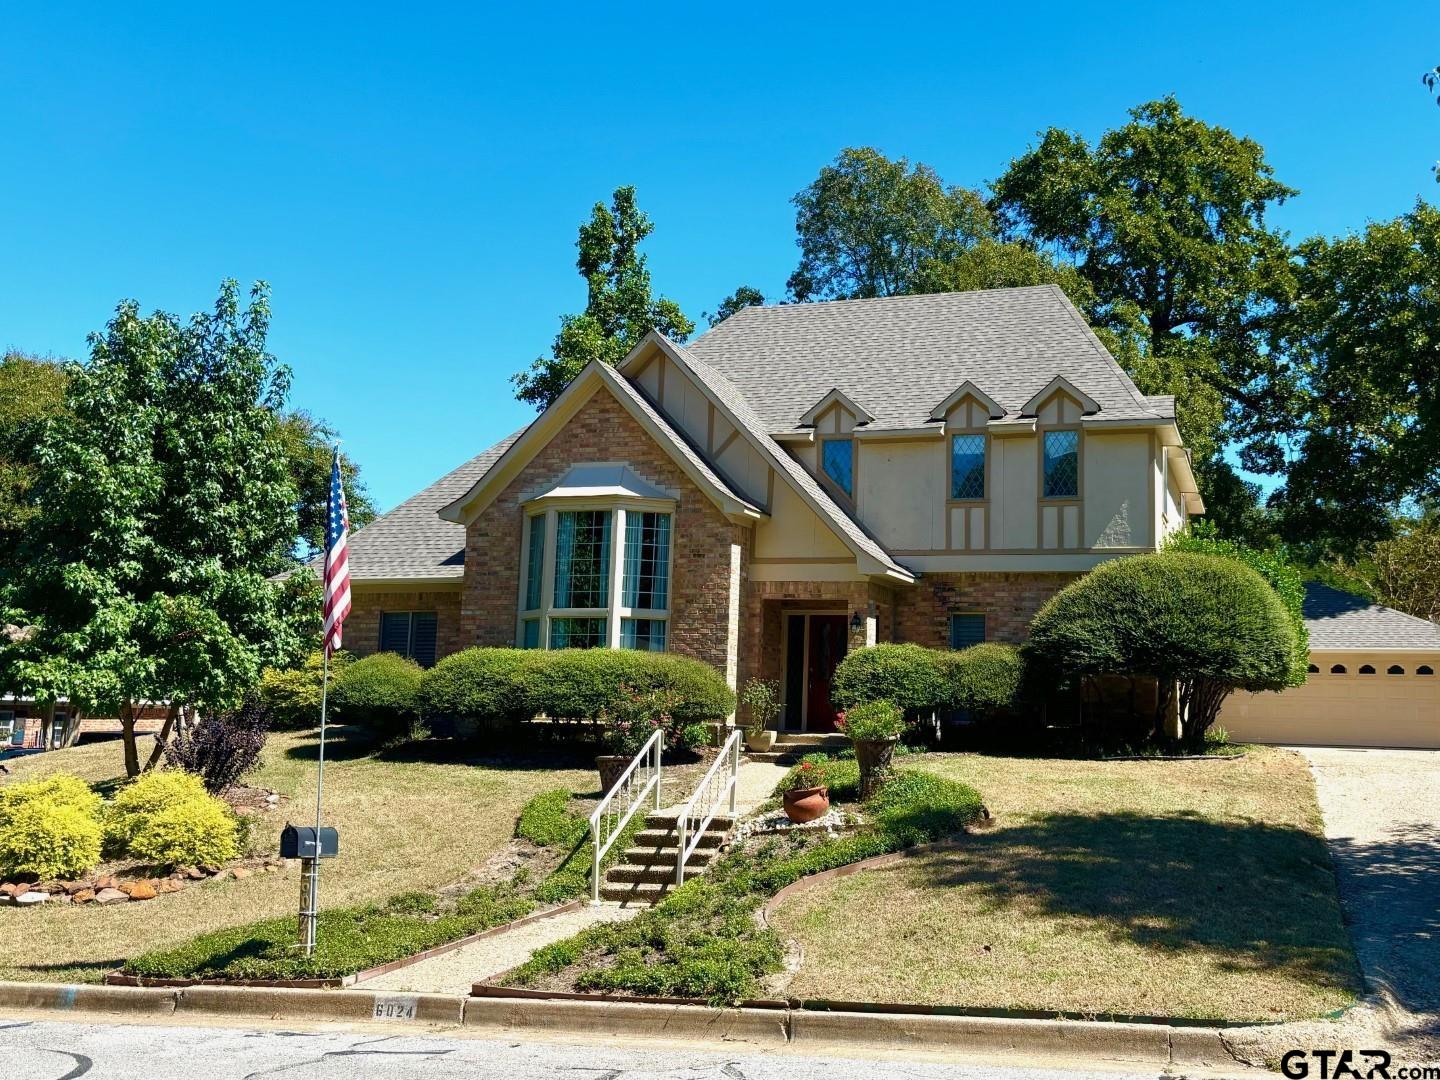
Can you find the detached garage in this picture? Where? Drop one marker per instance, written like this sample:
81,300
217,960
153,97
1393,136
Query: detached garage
1372,681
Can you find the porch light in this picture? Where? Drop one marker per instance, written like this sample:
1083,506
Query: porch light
857,622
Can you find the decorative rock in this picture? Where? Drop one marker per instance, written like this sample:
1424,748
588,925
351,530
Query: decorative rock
141,890
220,875
62,898
106,882
272,798
110,896
10,888
83,896
241,872
191,872
32,898
167,885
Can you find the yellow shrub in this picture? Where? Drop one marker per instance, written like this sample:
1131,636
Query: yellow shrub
200,830
62,789
146,797
50,840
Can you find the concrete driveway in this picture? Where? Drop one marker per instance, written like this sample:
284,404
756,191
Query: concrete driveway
1382,821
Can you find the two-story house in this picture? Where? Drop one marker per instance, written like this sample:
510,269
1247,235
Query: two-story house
797,482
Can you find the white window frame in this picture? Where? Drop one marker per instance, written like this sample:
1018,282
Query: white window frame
618,508
7,727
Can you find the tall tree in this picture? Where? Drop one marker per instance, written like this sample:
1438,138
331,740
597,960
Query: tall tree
1165,217
1355,406
162,511
32,393
999,264
620,309
307,443
1407,568
867,225
743,297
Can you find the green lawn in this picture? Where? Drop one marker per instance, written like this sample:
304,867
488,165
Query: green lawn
409,820
1198,889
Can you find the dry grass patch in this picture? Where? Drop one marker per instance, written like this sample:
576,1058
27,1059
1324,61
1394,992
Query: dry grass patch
405,823
1198,889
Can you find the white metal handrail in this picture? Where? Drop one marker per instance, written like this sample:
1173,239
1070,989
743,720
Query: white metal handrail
709,793
609,821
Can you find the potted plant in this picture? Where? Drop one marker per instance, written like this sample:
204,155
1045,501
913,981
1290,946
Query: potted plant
806,792
761,700
633,719
874,728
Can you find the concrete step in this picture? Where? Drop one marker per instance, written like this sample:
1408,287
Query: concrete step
669,838
653,875
647,893
666,856
811,740
670,820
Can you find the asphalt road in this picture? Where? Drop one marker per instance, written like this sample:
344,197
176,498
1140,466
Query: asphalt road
49,1050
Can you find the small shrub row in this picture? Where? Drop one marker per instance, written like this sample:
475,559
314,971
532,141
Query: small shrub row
497,687
58,828
985,679
703,941
348,939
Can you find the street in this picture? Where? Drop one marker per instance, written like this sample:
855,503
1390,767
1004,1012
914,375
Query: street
50,1050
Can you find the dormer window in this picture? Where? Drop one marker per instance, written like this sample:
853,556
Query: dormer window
967,467
1062,464
837,459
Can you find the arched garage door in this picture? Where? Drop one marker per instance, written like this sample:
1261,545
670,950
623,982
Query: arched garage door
1350,699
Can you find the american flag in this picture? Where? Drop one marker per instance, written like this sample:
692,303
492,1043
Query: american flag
337,560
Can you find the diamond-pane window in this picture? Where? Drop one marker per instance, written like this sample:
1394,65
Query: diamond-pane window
1062,464
967,467
837,458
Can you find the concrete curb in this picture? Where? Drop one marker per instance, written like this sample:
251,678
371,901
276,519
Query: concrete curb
769,1027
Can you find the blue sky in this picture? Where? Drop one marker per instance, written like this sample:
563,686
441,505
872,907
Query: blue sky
409,178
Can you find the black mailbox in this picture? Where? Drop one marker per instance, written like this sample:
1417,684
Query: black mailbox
308,842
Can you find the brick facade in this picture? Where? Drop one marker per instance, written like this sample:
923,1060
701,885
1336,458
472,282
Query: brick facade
707,568
1009,601
362,628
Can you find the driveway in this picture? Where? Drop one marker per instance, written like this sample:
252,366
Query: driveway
1382,821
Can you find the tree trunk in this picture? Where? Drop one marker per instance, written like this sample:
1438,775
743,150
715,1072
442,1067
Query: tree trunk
127,736
162,738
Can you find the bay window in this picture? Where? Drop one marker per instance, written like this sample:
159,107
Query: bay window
595,577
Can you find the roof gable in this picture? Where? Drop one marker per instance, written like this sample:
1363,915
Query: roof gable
1059,385
964,390
835,397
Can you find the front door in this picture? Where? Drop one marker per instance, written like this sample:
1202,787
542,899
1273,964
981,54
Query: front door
815,645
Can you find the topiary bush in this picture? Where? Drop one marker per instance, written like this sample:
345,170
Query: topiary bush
62,789
293,694
49,840
380,692
1200,624
493,686
908,675
985,679
168,817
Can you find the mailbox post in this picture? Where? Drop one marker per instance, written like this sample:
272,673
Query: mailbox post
309,844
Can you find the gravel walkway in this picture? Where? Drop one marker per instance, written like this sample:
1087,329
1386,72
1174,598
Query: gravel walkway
454,972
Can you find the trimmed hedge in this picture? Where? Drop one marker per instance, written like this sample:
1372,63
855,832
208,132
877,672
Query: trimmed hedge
168,818
293,694
908,675
49,840
492,685
381,692
985,679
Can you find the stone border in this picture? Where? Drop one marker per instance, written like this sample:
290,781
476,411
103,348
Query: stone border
119,978
765,1027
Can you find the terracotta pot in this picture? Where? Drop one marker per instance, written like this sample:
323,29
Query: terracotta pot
806,804
873,756
610,766
761,742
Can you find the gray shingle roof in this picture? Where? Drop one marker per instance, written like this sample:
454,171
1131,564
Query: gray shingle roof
1341,620
900,356
736,403
412,541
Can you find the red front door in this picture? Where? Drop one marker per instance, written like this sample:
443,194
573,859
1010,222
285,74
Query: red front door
827,644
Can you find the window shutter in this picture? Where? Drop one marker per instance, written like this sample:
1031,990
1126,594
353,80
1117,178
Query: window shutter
966,630
395,632
422,641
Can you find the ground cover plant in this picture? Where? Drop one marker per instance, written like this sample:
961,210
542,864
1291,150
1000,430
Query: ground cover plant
385,802
702,941
1175,888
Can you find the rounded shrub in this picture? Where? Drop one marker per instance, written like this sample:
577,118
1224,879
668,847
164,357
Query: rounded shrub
293,694
147,796
697,692
490,685
591,684
906,675
1202,624
200,831
985,679
62,789
381,692
49,840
